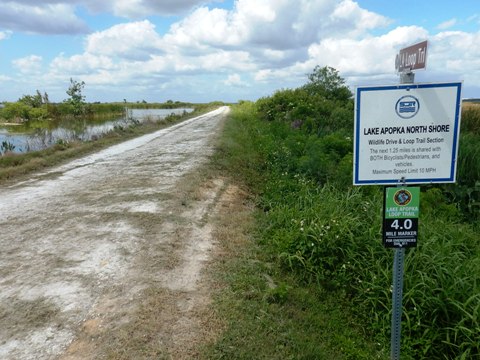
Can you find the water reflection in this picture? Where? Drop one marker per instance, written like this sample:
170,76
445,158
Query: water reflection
40,135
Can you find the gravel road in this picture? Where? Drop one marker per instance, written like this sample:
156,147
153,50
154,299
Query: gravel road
82,242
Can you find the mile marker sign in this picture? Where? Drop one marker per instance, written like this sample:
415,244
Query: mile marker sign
400,216
406,133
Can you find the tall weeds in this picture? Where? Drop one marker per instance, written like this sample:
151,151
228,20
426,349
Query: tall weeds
298,159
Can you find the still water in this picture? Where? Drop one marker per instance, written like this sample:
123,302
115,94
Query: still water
41,138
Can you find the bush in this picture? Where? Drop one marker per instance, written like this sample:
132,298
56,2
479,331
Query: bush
16,111
323,156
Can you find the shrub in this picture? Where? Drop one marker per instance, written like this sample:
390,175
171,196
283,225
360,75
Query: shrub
16,111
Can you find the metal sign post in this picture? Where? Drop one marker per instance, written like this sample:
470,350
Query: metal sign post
398,270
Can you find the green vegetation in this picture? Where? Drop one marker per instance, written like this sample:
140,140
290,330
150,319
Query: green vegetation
38,107
26,108
320,239
6,147
76,100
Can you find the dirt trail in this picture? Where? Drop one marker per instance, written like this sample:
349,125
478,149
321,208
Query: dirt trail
89,248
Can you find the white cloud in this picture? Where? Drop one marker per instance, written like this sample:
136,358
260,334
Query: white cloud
222,60
447,24
135,41
81,64
28,65
203,28
5,35
49,18
286,77
444,54
235,80
349,18
276,24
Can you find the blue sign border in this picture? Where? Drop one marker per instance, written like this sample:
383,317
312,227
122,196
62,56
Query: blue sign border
362,89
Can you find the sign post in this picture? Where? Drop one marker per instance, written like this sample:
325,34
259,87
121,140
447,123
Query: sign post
399,255
405,134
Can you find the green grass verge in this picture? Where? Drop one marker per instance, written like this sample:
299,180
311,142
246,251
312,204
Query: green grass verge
270,315
268,311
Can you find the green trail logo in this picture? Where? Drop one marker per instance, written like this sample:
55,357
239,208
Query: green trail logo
402,197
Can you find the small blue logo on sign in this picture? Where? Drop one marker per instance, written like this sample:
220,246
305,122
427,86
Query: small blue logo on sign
407,107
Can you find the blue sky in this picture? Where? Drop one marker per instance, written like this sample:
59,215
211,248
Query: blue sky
200,50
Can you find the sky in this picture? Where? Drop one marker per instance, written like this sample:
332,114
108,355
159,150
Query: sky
231,50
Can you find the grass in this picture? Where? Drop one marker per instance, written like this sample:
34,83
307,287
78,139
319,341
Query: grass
471,118
270,315
139,339
31,313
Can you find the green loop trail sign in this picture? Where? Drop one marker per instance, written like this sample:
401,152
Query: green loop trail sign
400,223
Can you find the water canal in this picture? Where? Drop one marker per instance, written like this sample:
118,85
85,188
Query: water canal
37,136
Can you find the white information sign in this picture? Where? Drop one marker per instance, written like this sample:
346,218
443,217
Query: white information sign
406,133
